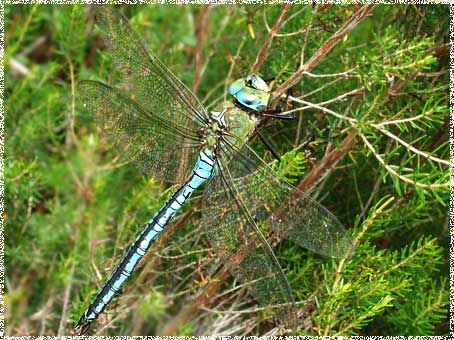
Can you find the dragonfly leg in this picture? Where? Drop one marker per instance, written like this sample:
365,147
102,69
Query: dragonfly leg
306,145
268,144
277,112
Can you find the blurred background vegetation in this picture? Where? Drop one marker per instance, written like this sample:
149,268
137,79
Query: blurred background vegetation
73,207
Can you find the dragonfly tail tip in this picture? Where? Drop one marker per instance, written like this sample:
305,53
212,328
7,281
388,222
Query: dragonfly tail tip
82,326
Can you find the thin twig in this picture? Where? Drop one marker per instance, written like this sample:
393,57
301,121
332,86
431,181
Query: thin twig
32,47
410,147
330,101
396,174
18,67
345,74
71,135
372,197
352,121
405,120
355,19
24,27
23,173
66,297
263,52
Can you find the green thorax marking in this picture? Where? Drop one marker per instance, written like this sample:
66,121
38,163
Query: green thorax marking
239,123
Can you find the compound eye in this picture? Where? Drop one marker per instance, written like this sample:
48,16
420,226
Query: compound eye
256,83
250,81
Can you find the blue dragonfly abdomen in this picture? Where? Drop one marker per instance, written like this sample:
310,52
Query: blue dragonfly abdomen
151,231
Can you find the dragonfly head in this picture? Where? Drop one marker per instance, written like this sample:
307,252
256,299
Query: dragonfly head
251,92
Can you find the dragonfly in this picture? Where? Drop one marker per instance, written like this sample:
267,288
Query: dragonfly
166,131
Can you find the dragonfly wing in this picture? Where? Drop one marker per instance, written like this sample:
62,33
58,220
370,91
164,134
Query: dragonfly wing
159,147
153,85
238,241
286,209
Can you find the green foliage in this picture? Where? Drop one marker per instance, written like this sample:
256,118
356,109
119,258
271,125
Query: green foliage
72,206
291,166
152,306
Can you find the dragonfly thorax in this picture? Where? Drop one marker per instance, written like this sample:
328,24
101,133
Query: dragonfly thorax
236,122
229,122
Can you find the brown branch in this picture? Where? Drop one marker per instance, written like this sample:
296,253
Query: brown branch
316,175
321,169
202,26
277,25
355,19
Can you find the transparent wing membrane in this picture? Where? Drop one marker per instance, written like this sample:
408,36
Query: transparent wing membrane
246,191
152,83
237,240
159,147
286,209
